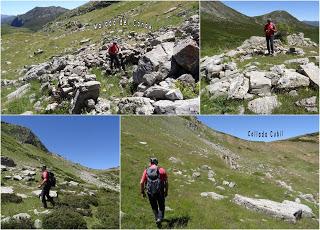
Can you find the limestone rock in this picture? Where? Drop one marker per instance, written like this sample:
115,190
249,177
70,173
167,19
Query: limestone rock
263,105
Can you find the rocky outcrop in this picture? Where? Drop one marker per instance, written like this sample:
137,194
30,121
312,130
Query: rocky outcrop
258,86
287,210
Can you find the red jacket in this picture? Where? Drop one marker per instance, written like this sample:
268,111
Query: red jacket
113,49
270,29
162,172
45,175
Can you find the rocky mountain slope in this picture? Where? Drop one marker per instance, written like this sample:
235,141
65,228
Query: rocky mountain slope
85,193
36,18
160,46
244,79
216,180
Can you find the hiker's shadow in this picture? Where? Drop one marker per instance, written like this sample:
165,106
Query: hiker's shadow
175,222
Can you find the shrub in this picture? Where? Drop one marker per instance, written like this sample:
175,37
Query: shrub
108,216
64,218
17,224
188,91
75,201
13,198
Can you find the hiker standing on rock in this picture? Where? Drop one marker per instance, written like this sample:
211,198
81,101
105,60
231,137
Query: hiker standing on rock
113,51
155,180
46,185
269,30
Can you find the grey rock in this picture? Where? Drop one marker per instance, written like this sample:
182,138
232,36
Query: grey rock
21,216
310,104
136,105
17,177
292,80
7,190
301,61
179,107
264,105
259,84
213,195
37,224
174,94
312,71
18,93
287,210
187,79
86,90
238,88
156,92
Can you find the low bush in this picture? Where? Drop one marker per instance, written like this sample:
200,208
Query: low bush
17,224
64,218
10,198
75,201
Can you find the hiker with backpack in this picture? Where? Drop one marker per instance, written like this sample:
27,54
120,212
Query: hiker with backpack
48,181
155,180
270,30
113,51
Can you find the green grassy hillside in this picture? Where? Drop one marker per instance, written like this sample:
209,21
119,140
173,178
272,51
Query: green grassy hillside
102,210
295,162
221,34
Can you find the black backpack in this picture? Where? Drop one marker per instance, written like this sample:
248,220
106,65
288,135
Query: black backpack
52,179
153,181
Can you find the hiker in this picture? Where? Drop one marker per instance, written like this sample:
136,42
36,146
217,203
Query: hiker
113,52
46,185
155,180
269,30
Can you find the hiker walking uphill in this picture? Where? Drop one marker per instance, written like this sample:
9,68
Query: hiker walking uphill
269,30
113,52
48,181
155,180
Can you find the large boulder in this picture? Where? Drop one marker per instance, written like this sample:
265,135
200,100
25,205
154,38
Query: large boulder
239,87
219,88
287,210
86,90
292,80
259,84
163,93
35,72
179,107
135,105
312,71
18,93
263,105
186,54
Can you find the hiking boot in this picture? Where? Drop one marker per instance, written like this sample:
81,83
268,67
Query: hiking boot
158,221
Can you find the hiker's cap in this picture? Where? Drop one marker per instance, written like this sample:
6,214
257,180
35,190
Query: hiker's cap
269,20
154,160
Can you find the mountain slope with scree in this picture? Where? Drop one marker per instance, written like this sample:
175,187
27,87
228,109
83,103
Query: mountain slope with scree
217,180
85,198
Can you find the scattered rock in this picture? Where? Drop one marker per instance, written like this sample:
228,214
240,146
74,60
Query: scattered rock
312,71
37,224
6,190
213,195
18,93
21,216
310,104
263,105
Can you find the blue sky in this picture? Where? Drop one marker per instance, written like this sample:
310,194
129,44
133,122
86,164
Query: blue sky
303,10
92,141
240,125
13,7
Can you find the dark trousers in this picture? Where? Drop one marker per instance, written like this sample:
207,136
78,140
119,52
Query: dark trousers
269,40
114,61
157,203
46,193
